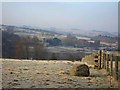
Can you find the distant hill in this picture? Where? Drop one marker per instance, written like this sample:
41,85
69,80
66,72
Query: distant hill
107,39
84,33
92,33
60,31
103,33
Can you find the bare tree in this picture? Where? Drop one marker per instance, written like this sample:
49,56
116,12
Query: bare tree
29,47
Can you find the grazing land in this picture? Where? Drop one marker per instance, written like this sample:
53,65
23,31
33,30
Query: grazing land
50,74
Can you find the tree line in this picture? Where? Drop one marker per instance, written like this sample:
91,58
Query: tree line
14,46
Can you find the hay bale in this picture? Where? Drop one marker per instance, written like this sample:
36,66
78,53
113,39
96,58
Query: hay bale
80,70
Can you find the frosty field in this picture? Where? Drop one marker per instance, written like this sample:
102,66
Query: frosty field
50,74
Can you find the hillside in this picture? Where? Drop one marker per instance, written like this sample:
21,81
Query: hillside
106,39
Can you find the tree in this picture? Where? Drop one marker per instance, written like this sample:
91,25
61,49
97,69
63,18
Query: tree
39,50
29,47
22,47
70,40
9,44
54,42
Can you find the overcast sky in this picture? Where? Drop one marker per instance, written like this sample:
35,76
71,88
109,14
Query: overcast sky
80,15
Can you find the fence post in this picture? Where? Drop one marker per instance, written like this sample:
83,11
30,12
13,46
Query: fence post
103,59
116,68
107,61
111,64
99,58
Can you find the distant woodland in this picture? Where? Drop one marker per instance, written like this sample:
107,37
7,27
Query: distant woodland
33,47
14,46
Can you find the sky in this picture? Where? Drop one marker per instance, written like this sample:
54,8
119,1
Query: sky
101,16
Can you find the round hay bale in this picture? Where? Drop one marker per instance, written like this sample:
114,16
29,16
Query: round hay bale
80,70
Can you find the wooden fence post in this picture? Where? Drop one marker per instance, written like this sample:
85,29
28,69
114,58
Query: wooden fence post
107,61
111,64
99,58
103,59
116,68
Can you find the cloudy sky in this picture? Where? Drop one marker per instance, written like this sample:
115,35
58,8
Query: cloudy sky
102,16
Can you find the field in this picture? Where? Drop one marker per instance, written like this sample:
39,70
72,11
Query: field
50,74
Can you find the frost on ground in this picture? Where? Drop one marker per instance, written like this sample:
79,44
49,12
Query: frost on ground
50,74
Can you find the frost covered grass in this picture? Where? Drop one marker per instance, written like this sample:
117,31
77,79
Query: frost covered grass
50,74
